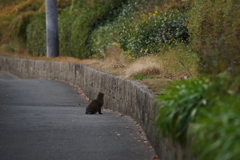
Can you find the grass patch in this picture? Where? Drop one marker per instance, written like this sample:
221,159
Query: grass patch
138,77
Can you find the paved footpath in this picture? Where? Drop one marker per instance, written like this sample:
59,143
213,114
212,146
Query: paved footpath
42,120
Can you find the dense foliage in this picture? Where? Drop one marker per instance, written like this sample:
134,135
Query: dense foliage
79,21
87,28
142,29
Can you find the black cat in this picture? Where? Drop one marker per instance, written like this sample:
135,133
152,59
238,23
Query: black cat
96,105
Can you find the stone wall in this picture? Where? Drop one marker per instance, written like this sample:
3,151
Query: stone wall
128,97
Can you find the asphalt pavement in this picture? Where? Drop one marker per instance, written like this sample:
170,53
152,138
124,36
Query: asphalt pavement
42,120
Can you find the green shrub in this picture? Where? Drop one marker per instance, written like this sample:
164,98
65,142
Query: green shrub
156,31
110,32
205,111
179,105
214,29
36,36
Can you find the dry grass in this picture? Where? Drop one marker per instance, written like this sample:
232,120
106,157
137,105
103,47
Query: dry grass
114,57
149,65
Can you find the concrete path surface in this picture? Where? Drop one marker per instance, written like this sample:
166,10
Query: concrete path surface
42,120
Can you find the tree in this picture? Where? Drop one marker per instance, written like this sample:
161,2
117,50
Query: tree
52,28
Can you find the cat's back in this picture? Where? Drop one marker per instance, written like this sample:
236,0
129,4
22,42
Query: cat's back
93,107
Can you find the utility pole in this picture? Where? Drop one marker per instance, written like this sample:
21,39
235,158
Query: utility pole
52,28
